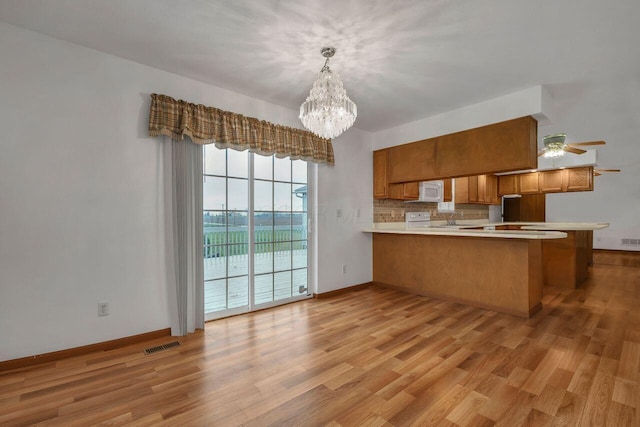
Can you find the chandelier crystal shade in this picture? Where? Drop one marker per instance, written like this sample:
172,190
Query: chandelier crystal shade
328,111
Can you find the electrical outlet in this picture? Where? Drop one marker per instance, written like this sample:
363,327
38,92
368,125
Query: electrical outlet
339,213
103,309
344,269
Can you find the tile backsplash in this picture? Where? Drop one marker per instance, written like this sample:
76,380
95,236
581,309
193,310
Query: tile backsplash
394,210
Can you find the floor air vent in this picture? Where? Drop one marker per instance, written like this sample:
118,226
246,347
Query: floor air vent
158,348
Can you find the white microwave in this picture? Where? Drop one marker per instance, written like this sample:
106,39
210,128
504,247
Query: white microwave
431,191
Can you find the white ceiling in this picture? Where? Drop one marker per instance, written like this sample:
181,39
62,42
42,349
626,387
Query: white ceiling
400,60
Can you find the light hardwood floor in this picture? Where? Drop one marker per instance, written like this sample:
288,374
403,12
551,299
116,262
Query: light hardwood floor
368,357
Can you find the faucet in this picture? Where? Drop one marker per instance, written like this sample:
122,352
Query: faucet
452,219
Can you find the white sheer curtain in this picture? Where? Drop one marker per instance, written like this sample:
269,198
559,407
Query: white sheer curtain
183,231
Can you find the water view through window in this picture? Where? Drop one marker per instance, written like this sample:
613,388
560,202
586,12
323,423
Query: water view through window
255,230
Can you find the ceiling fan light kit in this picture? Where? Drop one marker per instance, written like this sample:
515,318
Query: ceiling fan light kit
554,145
328,111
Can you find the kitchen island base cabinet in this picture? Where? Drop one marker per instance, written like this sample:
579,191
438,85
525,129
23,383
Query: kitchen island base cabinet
504,275
566,261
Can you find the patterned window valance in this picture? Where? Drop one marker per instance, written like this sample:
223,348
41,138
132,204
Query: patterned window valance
209,125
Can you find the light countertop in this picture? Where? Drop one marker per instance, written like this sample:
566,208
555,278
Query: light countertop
460,230
560,226
529,230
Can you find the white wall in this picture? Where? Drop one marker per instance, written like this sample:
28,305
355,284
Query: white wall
80,194
602,109
535,101
346,188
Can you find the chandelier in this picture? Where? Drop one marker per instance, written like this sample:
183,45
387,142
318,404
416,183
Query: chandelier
328,111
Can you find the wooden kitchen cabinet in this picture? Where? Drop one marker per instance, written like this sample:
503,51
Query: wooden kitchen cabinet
413,162
526,208
564,180
448,191
550,181
508,184
383,189
500,147
472,182
488,189
380,186
479,189
528,183
410,190
462,190
406,191
398,170
497,274
579,179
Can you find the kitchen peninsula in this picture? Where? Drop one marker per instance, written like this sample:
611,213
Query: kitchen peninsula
498,269
565,261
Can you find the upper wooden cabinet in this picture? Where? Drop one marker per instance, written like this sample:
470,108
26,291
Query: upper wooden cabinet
412,162
551,181
508,184
404,191
479,189
380,186
462,190
488,189
382,189
578,179
448,191
500,147
528,183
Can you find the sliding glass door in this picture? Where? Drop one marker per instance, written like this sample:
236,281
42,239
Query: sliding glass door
226,230
255,231
280,229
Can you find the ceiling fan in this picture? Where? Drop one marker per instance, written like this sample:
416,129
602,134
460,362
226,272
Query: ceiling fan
598,172
555,146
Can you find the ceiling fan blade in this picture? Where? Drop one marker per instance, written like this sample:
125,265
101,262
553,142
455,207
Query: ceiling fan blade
578,144
573,150
541,152
595,173
607,170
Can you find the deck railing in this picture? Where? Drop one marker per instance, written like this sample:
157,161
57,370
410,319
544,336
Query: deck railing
220,242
